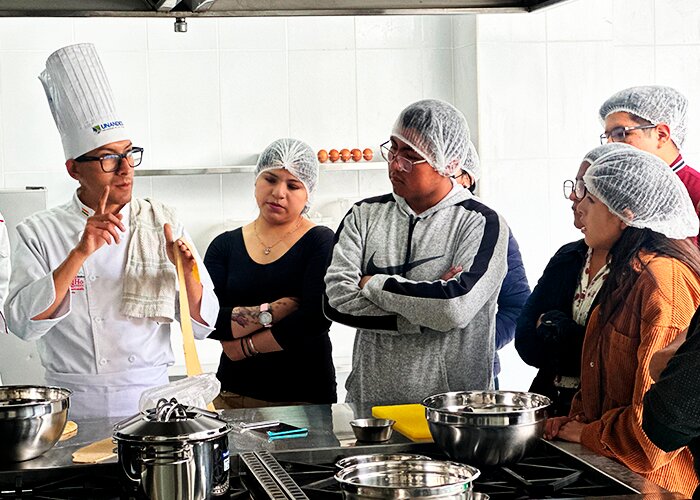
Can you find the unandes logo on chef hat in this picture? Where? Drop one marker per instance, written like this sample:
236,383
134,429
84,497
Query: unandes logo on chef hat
107,126
81,100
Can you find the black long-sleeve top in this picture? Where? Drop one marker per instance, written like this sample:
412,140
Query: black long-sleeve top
303,371
671,416
555,346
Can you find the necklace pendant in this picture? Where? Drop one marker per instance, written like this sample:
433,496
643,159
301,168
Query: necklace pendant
267,250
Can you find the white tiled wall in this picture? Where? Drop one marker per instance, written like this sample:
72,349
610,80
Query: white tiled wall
541,79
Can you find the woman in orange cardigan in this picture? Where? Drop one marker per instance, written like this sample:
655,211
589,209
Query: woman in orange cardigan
637,208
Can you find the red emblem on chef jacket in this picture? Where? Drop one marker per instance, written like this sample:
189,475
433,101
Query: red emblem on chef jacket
78,284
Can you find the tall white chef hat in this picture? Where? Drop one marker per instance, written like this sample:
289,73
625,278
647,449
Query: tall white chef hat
80,99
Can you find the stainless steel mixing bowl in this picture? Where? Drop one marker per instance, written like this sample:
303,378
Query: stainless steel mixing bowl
486,427
32,419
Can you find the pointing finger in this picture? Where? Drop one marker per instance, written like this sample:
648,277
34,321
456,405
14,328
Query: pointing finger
117,221
102,203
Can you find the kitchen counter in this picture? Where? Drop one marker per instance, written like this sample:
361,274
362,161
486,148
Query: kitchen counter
328,428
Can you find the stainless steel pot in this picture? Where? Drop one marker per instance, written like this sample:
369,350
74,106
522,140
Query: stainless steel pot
486,427
32,419
173,452
418,479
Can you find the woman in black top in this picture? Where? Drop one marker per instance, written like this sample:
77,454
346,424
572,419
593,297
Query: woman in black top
268,276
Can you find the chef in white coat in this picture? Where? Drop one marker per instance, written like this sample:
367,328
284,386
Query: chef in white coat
94,282
4,263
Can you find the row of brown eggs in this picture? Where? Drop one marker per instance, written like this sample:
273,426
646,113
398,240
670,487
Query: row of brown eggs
345,155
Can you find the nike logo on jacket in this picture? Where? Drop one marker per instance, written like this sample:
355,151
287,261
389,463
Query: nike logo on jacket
373,269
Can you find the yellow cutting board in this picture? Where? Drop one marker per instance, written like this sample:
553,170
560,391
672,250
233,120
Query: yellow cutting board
410,420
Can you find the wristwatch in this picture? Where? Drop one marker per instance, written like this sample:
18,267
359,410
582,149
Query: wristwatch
265,316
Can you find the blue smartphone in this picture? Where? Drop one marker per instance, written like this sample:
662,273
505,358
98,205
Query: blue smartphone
282,431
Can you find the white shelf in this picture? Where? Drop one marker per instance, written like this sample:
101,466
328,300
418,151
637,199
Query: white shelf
338,166
157,172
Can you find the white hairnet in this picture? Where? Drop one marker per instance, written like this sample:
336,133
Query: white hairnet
437,131
654,103
472,165
293,155
640,189
604,149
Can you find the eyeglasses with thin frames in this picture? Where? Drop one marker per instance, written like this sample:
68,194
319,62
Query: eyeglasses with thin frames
402,164
577,187
618,134
110,163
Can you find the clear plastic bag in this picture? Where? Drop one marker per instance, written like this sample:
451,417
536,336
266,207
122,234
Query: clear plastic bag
197,391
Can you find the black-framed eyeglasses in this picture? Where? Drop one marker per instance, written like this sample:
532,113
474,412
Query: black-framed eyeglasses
577,187
618,134
110,163
402,164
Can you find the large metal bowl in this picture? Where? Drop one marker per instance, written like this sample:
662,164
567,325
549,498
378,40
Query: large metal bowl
486,427
32,419
407,479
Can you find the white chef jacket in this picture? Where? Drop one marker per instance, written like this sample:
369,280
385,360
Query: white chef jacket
88,346
4,264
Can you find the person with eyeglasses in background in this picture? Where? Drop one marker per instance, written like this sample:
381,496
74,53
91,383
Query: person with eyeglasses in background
515,289
94,282
550,329
418,334
652,118
4,269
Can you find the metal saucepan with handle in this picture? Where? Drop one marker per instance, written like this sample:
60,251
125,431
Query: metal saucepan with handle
173,452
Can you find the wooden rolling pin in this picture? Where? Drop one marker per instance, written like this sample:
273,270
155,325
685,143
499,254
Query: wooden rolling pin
191,359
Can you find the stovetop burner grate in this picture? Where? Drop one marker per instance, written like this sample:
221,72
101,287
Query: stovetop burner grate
547,473
81,486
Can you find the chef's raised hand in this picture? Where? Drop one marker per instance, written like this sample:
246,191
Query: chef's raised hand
101,228
188,261
189,265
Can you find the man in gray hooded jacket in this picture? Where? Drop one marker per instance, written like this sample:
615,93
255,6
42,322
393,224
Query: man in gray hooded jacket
418,334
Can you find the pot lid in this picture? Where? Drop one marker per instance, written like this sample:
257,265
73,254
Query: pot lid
170,421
